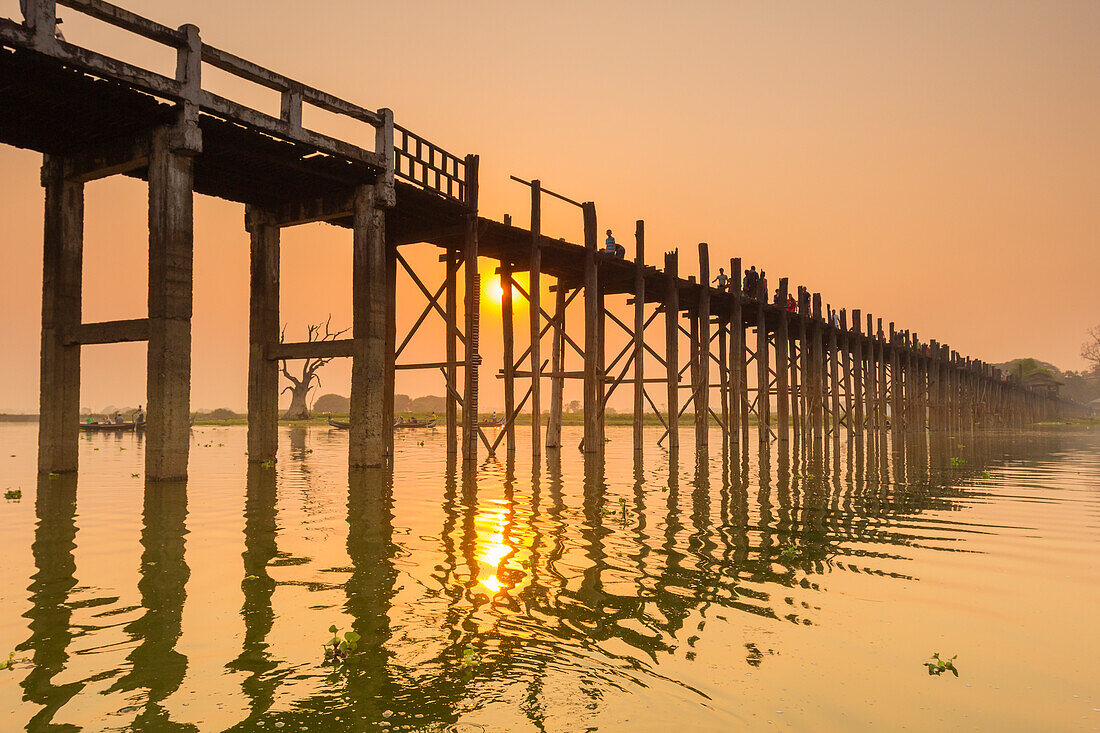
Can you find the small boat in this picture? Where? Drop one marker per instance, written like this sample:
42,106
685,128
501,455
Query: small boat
491,423
110,427
412,422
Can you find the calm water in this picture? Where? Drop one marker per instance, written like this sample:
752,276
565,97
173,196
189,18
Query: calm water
743,592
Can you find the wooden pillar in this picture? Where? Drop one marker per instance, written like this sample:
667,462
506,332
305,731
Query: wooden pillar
534,289
639,334
263,332
796,391
672,342
171,253
557,369
782,367
723,378
702,393
846,362
63,245
880,356
859,418
871,390
763,378
833,380
601,365
451,305
473,310
366,445
506,323
817,365
593,378
739,405
390,355
805,355
896,381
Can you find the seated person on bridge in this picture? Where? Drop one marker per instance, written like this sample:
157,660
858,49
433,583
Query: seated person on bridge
613,248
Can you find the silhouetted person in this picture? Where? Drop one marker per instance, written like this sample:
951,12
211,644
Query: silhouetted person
792,304
751,279
721,279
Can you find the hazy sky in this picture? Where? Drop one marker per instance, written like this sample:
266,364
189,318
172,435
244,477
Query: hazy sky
935,163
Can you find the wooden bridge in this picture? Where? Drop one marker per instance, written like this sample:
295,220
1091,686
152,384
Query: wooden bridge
94,116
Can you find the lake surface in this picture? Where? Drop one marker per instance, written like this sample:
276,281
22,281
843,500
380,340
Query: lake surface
748,591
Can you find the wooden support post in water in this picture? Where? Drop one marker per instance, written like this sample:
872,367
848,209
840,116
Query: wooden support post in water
880,355
171,253
63,244
639,335
702,392
672,340
366,445
452,351
817,357
763,377
263,332
506,321
896,382
557,368
593,377
534,289
782,367
844,344
833,379
739,402
473,305
856,342
871,390
390,355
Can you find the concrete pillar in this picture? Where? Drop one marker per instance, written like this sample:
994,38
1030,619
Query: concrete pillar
263,331
63,243
171,254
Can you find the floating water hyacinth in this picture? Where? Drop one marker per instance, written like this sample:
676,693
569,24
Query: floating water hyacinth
937,666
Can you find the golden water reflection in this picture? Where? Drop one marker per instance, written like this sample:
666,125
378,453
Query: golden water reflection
504,594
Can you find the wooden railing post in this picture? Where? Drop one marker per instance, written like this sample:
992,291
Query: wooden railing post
187,138
41,19
383,145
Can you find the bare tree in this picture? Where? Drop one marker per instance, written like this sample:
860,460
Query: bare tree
299,387
1091,349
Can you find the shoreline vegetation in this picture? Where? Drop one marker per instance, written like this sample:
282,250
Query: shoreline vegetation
523,420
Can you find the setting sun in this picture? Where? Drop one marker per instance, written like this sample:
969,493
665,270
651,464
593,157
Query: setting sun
494,291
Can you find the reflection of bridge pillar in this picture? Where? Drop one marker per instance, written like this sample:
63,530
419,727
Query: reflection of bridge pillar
59,401
171,254
263,331
50,612
156,664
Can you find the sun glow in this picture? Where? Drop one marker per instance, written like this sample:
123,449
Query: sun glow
494,291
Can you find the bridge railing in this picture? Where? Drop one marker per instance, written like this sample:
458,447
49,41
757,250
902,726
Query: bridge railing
409,157
430,166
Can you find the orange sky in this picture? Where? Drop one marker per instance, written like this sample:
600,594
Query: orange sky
936,163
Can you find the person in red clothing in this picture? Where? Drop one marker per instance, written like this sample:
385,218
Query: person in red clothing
792,304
